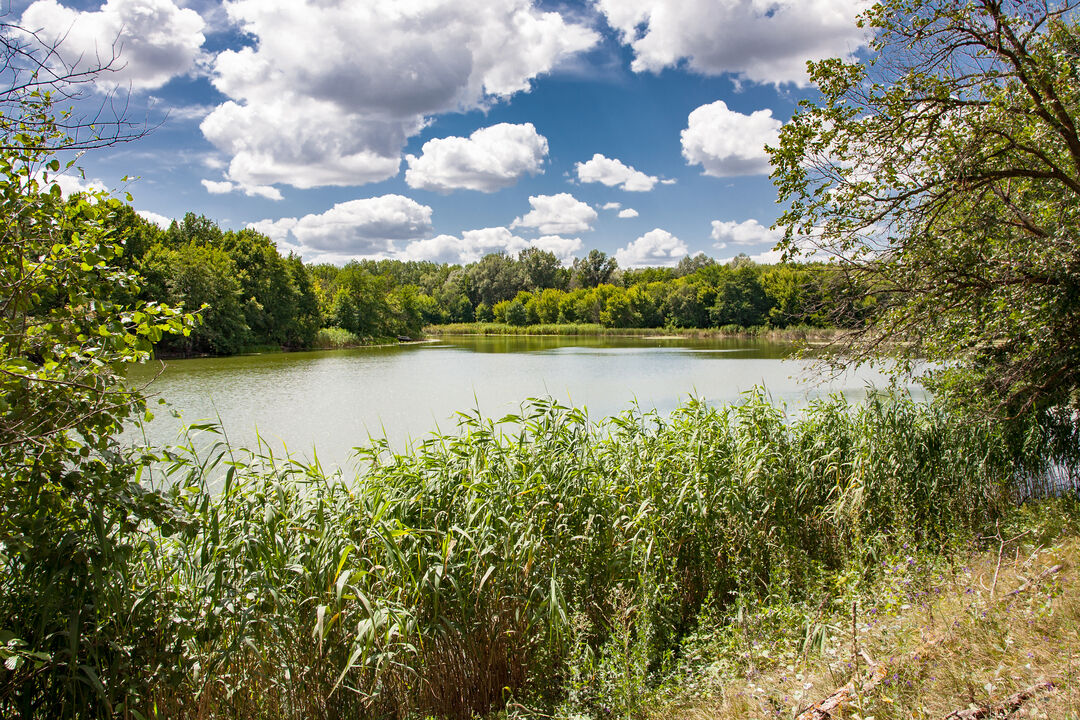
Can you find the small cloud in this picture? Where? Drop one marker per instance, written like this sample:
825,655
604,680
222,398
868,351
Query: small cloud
70,184
611,206
222,187
160,220
470,247
668,181
628,213
557,215
656,248
564,248
748,232
614,173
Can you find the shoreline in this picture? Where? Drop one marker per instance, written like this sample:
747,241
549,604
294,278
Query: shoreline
793,334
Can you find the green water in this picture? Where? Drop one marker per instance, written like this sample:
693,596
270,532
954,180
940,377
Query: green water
331,401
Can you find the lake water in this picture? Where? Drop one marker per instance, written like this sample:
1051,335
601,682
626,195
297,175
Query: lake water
332,401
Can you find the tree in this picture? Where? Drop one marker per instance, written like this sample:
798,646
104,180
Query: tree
540,269
33,68
594,269
72,510
943,178
740,299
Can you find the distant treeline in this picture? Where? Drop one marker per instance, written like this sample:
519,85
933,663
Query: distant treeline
255,297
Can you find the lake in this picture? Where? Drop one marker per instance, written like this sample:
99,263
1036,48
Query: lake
332,401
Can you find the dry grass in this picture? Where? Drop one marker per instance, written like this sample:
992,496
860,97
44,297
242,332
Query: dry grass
952,632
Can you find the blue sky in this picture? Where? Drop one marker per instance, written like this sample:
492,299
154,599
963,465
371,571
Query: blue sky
443,130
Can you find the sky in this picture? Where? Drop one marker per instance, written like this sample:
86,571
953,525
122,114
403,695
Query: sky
448,129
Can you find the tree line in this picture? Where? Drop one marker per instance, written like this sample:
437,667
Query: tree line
249,295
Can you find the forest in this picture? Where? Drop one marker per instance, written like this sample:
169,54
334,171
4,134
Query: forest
257,299
888,558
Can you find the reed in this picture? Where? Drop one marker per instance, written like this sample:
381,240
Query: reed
496,564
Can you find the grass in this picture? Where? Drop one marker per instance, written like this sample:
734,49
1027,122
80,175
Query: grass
550,565
551,562
795,333
333,338
968,627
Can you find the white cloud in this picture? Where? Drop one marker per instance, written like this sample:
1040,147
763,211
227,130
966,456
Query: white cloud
655,248
727,143
748,232
475,244
488,160
768,257
331,91
564,248
157,218
368,227
557,215
668,181
280,231
71,183
154,39
611,206
756,40
612,172
628,213
221,187
470,247
216,187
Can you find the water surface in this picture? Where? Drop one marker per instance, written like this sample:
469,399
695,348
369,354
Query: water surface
332,401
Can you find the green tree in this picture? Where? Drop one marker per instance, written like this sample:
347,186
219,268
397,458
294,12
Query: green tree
540,269
594,269
943,175
203,279
493,279
79,624
740,299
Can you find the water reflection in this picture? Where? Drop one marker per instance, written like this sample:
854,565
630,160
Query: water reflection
334,400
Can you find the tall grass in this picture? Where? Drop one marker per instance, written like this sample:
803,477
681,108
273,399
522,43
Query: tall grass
492,564
793,333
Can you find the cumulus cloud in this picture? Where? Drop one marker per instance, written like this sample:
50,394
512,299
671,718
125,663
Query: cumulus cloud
488,160
157,218
656,248
563,248
222,187
767,42
628,213
611,206
72,184
727,143
368,227
330,91
557,215
154,40
614,173
748,232
470,247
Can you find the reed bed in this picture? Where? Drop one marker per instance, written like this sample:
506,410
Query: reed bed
506,565
795,333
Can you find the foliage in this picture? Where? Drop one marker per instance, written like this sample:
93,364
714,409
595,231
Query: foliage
546,559
80,637
944,175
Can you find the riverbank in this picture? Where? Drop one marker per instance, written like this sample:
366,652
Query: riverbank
985,626
791,334
550,566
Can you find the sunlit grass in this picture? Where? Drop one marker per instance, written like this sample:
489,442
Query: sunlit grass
593,330
551,562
